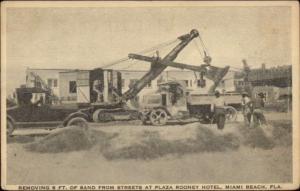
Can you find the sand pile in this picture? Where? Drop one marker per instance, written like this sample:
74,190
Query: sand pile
148,143
67,139
268,136
151,144
257,138
282,132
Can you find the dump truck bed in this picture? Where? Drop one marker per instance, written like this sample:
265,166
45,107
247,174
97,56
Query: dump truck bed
206,99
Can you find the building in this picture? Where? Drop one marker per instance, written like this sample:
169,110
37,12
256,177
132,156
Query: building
65,82
280,76
36,77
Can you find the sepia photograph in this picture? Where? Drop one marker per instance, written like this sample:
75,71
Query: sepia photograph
149,95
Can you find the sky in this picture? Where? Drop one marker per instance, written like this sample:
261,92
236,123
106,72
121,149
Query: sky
87,38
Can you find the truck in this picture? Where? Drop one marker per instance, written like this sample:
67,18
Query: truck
102,99
170,103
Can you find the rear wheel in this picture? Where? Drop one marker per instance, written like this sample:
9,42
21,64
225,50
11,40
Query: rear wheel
9,128
158,117
78,121
231,113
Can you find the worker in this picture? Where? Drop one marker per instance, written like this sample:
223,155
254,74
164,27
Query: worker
218,108
246,108
258,115
98,88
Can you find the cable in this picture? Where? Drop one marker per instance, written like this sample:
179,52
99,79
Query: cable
198,49
203,45
154,48
236,68
158,46
115,62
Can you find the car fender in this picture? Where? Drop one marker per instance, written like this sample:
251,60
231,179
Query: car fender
164,108
10,118
76,114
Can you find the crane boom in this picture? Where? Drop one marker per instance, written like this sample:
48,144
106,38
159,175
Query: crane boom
201,68
157,67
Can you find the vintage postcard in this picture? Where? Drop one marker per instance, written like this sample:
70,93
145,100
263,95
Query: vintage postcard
149,95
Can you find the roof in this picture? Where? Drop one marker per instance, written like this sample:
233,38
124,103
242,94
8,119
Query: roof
49,69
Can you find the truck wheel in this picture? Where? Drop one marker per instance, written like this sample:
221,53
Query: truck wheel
78,121
158,117
143,118
9,128
96,116
231,113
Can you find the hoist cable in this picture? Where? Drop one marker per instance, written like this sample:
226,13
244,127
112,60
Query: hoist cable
115,62
142,52
158,46
203,45
236,68
198,49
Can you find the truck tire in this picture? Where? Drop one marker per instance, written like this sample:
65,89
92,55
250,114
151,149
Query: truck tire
231,113
78,121
158,117
9,128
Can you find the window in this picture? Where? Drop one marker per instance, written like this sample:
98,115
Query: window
52,83
149,85
132,81
201,83
265,96
72,87
55,83
186,83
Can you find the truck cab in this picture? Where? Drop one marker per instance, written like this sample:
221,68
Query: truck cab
168,102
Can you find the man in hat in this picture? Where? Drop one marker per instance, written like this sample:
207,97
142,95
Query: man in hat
218,107
247,108
258,105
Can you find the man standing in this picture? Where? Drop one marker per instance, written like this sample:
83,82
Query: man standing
98,88
247,108
218,107
258,115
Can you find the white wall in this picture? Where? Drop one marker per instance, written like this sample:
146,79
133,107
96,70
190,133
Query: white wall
64,84
44,74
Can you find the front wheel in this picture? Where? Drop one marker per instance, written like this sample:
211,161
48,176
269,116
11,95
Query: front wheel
78,121
158,117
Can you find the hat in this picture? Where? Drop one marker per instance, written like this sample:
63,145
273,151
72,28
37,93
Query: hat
217,92
244,93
